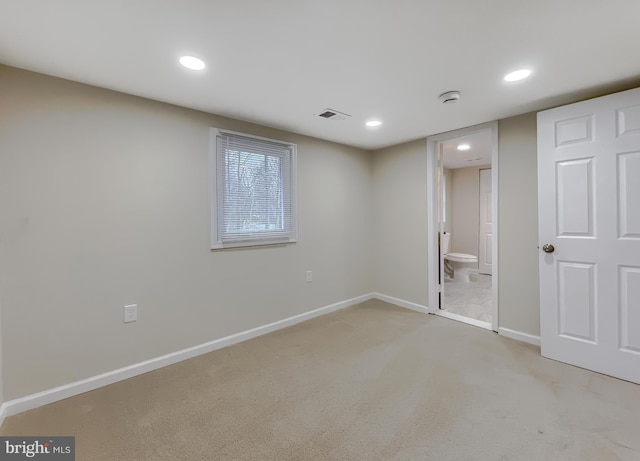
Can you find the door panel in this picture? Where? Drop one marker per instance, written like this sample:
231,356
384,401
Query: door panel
485,240
486,251
589,210
577,304
628,120
575,197
573,131
629,313
629,194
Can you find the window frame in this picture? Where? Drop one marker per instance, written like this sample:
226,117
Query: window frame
218,181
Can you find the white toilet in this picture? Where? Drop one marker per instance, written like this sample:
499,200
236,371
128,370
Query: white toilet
460,263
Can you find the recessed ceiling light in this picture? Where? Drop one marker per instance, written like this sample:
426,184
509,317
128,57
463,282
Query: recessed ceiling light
464,147
193,63
517,75
373,123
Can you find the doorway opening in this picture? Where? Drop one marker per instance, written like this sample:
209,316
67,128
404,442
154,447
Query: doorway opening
462,184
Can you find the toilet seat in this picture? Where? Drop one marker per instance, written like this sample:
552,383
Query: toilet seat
461,258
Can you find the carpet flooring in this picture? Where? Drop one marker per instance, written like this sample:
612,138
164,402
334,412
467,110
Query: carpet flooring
371,382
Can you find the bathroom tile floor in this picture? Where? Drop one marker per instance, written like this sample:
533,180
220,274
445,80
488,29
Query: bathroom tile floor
472,299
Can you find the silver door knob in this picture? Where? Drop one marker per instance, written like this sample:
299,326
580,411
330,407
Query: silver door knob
548,248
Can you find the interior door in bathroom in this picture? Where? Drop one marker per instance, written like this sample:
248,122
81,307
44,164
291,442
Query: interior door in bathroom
485,234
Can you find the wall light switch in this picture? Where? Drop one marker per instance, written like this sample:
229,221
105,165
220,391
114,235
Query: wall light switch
130,313
309,276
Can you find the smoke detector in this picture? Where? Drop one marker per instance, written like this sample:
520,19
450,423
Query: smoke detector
449,97
331,114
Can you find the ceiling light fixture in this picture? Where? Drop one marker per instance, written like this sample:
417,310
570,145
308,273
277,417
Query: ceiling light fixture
193,63
450,97
373,123
464,147
517,75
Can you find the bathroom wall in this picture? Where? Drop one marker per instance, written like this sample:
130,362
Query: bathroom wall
465,202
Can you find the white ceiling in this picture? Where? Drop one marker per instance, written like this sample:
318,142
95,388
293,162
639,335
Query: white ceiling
279,62
479,153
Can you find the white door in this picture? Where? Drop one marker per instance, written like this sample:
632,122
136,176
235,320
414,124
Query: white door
485,236
589,211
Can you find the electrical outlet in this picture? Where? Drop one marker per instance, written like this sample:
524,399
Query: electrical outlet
130,313
309,276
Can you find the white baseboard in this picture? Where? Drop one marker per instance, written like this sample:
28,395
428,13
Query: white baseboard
519,336
401,303
3,413
32,401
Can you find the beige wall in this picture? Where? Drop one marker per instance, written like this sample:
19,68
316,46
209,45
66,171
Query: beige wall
518,226
1,359
400,222
105,202
465,203
400,225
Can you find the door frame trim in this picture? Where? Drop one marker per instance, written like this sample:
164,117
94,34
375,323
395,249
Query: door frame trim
432,214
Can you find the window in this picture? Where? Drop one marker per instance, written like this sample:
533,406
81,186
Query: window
254,190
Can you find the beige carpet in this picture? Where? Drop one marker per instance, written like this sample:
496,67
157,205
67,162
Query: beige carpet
372,382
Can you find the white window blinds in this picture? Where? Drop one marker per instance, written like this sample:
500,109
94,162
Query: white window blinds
254,192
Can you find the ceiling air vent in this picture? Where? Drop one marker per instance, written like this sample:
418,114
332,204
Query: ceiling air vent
331,114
